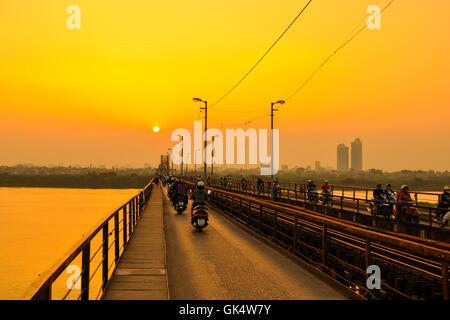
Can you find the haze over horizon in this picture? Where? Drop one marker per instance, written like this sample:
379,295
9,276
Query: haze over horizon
92,96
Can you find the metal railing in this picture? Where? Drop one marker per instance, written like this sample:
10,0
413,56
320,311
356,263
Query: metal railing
124,220
410,268
298,187
350,208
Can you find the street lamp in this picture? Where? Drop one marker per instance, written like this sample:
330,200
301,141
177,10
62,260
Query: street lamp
281,102
213,154
195,161
182,152
206,128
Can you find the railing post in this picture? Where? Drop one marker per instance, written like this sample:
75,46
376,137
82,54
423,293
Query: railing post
85,263
274,234
124,226
288,192
105,257
295,186
116,237
295,234
130,221
324,244
249,212
260,217
367,254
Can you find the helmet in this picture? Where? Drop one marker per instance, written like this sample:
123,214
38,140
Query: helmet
200,185
326,181
446,188
309,180
388,185
404,187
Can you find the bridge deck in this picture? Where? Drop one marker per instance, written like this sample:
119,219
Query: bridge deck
142,272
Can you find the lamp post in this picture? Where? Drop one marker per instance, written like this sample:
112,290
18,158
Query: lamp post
206,129
213,155
281,102
182,153
195,161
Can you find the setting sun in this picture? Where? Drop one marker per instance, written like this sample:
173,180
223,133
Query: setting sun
155,129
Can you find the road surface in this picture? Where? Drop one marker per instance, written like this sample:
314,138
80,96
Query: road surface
224,262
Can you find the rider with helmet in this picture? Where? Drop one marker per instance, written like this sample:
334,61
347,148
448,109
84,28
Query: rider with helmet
443,204
378,193
200,196
181,189
403,196
325,186
310,186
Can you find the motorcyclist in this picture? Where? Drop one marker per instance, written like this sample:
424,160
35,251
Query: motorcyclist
172,187
243,183
443,204
276,189
260,184
326,186
200,196
181,189
310,186
390,196
378,193
402,197
388,191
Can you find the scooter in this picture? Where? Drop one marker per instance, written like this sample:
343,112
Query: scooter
326,198
313,195
409,212
199,217
180,204
382,207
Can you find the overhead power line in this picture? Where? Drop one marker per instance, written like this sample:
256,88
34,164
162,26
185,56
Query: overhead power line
263,56
334,53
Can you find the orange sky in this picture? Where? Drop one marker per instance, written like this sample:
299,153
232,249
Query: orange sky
93,95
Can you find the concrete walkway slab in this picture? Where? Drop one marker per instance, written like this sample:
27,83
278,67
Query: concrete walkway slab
142,271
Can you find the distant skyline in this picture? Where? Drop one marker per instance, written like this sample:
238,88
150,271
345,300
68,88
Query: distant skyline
94,95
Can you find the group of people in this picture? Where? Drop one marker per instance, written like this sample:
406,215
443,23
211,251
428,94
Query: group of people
177,188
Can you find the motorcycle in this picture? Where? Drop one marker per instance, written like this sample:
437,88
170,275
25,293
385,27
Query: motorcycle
180,204
313,195
199,217
381,207
409,212
327,198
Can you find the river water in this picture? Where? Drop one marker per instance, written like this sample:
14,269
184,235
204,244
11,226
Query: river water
39,225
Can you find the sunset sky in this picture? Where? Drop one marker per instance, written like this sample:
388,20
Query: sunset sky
93,95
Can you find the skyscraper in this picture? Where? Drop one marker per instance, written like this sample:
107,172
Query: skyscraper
317,166
342,157
357,155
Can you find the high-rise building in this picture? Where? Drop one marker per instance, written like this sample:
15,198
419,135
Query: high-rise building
342,157
317,166
356,155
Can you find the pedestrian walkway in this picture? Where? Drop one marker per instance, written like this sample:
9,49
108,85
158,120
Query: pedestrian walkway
142,270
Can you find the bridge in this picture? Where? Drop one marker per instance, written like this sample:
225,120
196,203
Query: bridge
253,249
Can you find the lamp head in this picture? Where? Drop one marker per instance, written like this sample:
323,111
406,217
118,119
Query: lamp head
197,99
